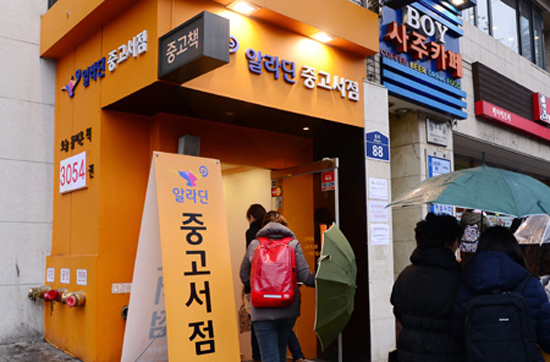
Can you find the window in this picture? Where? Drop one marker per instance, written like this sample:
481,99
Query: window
515,23
538,38
505,27
526,35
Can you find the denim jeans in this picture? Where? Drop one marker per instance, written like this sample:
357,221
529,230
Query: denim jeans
294,347
272,337
254,343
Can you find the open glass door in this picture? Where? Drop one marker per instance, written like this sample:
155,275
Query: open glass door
307,196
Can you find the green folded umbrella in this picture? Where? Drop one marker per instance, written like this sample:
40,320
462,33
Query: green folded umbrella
334,286
484,188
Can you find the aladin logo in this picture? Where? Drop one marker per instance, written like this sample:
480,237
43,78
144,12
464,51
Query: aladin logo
190,177
69,88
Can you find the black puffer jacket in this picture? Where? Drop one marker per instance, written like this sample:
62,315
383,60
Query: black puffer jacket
422,299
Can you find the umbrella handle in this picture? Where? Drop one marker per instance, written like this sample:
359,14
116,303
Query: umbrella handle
323,257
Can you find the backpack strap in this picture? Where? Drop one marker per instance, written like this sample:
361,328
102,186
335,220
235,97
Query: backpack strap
267,241
523,284
519,289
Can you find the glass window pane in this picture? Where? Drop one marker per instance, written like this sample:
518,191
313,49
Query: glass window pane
468,15
525,29
482,20
539,41
505,28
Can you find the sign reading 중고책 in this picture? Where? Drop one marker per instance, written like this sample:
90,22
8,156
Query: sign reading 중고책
197,46
420,54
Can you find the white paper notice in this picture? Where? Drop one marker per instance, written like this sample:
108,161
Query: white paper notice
378,188
379,234
378,211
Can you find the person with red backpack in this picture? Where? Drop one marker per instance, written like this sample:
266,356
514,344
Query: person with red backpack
272,266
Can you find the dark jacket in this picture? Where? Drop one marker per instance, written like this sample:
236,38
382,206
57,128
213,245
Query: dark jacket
496,270
275,230
255,226
422,298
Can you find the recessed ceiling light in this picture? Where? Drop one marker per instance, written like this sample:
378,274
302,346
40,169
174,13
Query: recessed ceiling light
306,128
243,7
322,37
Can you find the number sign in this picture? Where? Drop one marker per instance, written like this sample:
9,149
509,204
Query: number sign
378,147
72,173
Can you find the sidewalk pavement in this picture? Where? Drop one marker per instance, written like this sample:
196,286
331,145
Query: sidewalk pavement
37,351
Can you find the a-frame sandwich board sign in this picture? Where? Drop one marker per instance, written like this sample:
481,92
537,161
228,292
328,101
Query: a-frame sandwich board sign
179,310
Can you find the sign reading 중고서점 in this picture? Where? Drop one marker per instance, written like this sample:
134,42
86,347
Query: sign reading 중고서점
183,267
137,46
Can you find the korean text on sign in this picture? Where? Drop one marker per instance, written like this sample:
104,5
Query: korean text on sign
201,331
416,44
182,44
135,46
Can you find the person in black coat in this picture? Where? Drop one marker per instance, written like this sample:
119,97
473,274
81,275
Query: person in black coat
424,293
254,216
500,265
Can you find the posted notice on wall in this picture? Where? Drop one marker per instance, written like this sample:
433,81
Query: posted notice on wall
378,211
379,234
378,188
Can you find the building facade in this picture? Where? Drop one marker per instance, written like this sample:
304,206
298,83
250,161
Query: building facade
281,114
502,127
26,158
280,111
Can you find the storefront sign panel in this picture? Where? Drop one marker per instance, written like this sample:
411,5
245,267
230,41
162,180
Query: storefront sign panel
540,108
276,68
502,116
420,51
196,47
96,71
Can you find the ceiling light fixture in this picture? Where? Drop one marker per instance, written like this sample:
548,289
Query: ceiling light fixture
243,7
322,37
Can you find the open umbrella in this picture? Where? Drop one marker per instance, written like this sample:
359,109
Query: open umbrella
334,286
534,230
485,188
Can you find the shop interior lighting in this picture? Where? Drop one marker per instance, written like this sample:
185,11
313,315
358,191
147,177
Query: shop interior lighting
243,7
322,37
463,4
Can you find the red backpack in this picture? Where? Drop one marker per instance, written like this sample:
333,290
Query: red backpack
273,273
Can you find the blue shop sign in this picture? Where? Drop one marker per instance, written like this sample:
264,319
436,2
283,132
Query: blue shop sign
420,56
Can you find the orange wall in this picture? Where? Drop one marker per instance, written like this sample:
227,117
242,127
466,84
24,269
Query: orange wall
234,80
97,228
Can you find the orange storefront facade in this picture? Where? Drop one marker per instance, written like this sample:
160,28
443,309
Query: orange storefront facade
112,109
